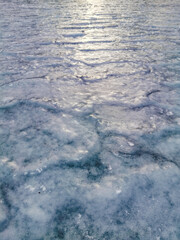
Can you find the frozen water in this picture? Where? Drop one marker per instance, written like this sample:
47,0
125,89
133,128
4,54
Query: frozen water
89,120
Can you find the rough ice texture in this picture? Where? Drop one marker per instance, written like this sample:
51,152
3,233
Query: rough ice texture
89,120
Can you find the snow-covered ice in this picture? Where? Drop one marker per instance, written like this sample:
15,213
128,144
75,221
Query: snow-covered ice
89,120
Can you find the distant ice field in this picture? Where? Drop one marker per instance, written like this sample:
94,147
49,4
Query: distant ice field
89,120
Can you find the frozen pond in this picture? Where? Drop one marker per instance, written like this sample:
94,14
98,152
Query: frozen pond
89,120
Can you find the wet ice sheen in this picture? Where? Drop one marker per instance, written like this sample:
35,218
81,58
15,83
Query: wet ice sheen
89,120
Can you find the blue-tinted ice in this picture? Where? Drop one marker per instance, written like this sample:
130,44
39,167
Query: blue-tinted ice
89,120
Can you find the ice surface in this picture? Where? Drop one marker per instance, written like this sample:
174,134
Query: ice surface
89,120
